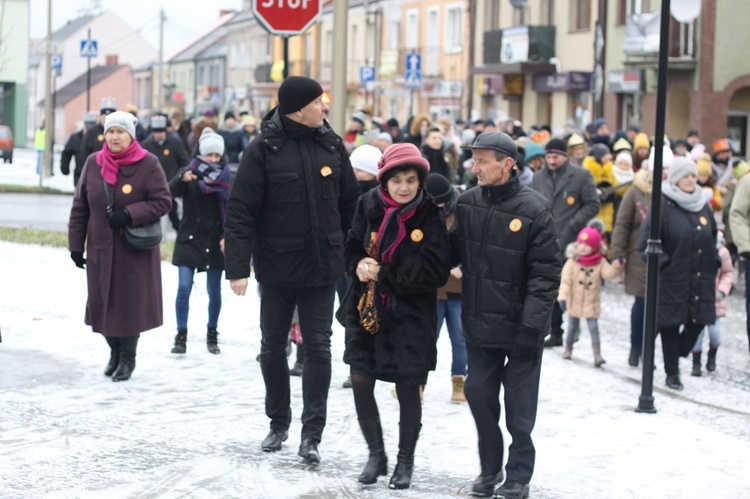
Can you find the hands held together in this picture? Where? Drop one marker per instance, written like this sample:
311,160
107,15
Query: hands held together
367,269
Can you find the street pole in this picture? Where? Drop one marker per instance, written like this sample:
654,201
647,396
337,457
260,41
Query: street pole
53,128
470,56
160,76
88,77
285,72
653,247
339,94
46,158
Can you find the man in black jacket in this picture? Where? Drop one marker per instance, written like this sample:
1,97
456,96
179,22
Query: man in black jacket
504,236
291,203
93,141
74,148
171,154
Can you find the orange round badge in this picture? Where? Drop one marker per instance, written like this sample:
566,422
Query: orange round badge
417,235
100,138
166,152
325,171
515,225
127,189
703,221
571,200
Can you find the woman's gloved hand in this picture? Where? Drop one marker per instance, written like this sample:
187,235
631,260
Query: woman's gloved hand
77,257
119,219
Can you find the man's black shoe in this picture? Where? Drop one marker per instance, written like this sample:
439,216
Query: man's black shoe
484,485
512,490
308,450
553,341
273,441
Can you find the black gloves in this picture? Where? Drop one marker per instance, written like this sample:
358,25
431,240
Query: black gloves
528,346
563,306
119,219
745,256
77,257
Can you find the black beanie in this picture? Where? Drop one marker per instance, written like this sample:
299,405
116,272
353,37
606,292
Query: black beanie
598,151
439,187
296,92
556,146
393,122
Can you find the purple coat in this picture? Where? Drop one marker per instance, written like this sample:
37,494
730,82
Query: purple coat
124,286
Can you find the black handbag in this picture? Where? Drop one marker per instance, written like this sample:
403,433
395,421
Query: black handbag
144,238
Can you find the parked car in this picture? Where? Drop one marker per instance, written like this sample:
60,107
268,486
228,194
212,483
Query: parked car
6,144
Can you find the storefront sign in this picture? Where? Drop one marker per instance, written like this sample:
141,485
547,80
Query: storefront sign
489,85
562,82
515,45
449,89
513,85
625,81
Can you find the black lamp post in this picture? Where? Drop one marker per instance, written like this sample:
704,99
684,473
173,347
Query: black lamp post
653,249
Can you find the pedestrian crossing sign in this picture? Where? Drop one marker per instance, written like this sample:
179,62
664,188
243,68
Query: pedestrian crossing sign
89,48
413,80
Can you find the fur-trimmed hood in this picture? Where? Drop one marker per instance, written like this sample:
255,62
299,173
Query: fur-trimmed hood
643,181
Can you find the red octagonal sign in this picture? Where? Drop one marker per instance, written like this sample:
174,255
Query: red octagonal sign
287,17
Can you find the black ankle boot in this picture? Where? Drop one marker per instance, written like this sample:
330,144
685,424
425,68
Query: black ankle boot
114,355
696,364
212,341
180,341
377,463
711,362
407,442
128,348
634,357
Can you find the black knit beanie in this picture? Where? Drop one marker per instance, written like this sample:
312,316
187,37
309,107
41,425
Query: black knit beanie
439,186
296,92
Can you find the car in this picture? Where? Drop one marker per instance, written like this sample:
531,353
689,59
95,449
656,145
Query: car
6,144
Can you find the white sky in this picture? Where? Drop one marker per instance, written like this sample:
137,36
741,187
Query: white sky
185,18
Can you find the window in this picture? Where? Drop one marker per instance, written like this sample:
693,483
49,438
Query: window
547,13
412,29
394,34
492,15
582,15
637,6
454,28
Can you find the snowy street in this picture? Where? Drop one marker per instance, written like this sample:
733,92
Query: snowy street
191,426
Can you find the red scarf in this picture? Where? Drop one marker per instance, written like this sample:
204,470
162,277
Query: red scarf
395,214
590,260
110,162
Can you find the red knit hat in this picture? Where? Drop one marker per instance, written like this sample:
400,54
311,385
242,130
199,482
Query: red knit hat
401,154
590,237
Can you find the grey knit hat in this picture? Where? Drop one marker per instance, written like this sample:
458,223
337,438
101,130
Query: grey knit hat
123,120
210,142
681,167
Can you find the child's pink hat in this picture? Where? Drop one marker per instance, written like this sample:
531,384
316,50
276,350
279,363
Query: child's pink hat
590,237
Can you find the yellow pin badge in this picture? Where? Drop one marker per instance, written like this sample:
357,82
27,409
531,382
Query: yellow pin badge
571,200
100,138
417,235
703,221
515,225
127,189
325,171
166,152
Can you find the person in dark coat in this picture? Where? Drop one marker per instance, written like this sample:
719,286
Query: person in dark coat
290,205
171,154
505,238
181,127
124,285
434,150
232,135
687,265
203,186
74,149
398,249
572,192
93,141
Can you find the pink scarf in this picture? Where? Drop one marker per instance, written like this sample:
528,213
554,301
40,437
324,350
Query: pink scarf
110,162
590,260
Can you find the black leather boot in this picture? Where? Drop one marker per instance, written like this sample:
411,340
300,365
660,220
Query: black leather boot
696,364
377,463
212,341
180,341
114,355
407,442
634,357
711,362
128,348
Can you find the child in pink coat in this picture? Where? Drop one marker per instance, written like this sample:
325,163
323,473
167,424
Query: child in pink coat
723,286
581,286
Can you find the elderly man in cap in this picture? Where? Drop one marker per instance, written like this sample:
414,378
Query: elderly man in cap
505,239
93,140
572,192
290,206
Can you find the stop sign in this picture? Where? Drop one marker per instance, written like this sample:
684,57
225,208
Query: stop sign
287,17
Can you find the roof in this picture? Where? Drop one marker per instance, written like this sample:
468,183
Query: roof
36,54
213,34
78,86
245,15
216,50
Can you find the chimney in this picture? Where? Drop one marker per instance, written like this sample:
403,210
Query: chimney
112,60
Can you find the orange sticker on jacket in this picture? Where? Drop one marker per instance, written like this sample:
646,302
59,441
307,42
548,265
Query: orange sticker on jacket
127,189
166,152
417,235
515,225
571,200
703,221
325,171
100,138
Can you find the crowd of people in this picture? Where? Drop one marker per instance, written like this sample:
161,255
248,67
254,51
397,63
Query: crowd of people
496,230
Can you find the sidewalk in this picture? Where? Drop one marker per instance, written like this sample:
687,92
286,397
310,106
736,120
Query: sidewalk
191,426
22,172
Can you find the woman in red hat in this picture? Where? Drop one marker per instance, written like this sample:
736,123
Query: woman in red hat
398,254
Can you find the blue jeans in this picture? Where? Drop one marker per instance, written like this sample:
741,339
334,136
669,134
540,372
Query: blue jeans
184,288
714,338
450,309
40,155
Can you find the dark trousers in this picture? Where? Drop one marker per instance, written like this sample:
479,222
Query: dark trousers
747,301
488,369
637,314
557,320
671,341
315,308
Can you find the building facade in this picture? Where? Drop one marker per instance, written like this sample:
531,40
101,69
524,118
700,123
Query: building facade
14,60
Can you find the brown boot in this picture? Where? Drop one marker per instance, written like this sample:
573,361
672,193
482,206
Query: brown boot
598,361
568,353
458,396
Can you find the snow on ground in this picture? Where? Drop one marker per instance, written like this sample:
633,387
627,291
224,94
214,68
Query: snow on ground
22,172
191,426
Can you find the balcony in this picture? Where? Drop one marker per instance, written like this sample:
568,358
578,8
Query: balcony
642,40
519,45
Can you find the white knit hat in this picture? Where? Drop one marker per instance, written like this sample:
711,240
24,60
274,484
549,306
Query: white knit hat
210,142
121,119
681,167
366,158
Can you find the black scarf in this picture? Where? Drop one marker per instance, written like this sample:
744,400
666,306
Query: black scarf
295,130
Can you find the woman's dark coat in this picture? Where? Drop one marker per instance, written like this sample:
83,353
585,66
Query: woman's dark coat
687,266
201,227
124,285
403,350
